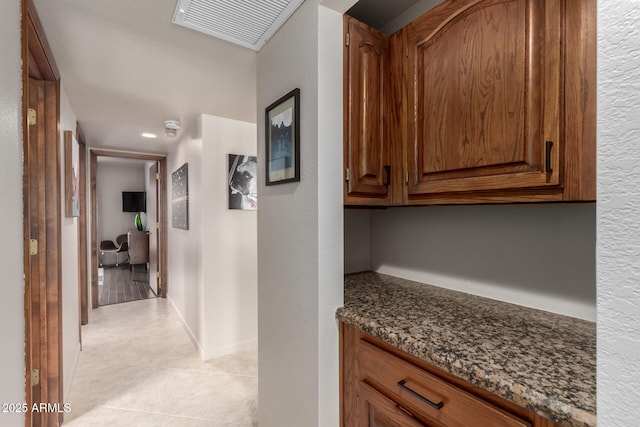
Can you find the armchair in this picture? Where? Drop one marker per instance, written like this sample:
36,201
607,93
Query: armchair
120,249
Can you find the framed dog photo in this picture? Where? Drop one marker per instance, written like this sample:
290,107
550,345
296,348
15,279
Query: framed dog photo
282,127
243,182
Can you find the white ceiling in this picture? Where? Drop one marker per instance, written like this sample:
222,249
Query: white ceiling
126,68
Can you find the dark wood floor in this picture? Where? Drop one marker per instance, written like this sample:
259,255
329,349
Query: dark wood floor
121,285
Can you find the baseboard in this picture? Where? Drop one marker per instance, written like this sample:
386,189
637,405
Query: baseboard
230,349
187,328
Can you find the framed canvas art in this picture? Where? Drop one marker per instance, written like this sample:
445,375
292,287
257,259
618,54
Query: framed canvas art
180,198
71,174
242,181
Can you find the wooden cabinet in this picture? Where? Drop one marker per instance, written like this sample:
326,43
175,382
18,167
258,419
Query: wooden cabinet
376,410
384,387
488,101
484,97
366,135
138,248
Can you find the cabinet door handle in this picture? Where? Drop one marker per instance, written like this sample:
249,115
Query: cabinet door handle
436,406
387,169
547,165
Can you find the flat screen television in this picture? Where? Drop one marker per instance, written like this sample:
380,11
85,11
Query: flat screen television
134,201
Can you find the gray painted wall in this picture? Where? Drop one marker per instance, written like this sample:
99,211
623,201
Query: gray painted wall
541,256
357,240
537,255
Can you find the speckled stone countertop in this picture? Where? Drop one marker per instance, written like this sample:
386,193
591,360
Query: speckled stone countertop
538,360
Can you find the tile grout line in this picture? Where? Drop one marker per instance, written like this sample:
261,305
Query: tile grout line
165,414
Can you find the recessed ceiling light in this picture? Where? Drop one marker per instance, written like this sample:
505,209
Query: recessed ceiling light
149,135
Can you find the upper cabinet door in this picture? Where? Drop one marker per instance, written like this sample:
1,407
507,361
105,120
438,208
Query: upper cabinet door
366,152
483,83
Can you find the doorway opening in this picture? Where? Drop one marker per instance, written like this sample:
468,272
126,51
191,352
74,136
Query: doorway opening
135,266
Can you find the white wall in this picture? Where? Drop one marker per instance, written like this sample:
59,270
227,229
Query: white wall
12,369
186,288
213,265
229,243
114,178
300,228
540,256
70,298
330,215
288,349
618,213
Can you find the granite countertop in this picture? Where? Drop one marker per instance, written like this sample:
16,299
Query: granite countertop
538,360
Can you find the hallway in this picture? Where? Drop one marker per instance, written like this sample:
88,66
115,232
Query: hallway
139,367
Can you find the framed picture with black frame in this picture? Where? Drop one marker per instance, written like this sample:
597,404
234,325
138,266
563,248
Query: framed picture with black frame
282,139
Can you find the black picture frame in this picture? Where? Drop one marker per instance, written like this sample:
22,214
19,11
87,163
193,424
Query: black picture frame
282,139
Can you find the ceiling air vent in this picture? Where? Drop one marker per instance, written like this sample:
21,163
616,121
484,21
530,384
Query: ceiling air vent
249,23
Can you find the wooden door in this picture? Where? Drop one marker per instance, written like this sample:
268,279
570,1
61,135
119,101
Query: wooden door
366,139
83,286
152,221
484,85
42,223
42,269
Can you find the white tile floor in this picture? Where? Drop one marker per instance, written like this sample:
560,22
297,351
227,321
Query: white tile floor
139,368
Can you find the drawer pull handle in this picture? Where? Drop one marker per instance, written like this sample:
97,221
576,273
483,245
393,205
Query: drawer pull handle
436,406
547,164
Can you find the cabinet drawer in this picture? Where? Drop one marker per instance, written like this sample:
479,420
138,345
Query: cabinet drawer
426,395
375,410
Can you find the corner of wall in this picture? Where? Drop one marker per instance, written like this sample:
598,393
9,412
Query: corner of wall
230,318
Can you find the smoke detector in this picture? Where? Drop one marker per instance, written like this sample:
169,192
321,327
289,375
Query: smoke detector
171,127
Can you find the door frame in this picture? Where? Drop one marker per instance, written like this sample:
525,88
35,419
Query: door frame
161,187
82,233
42,199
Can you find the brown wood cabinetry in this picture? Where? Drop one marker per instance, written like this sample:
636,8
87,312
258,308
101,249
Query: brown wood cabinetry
488,101
366,147
138,248
383,387
376,410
